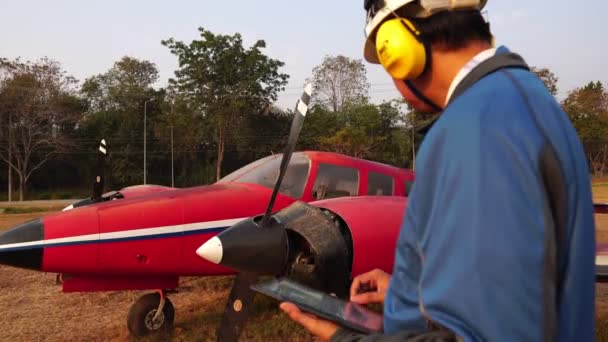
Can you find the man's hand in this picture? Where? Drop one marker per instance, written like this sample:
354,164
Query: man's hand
318,327
375,281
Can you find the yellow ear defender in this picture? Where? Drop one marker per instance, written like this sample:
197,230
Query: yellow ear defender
400,49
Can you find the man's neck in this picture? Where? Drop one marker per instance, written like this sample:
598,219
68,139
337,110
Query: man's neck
445,66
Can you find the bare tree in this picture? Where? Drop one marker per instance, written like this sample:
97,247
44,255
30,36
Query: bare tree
548,78
338,81
40,110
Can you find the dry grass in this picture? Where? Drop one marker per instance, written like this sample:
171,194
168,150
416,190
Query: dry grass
35,309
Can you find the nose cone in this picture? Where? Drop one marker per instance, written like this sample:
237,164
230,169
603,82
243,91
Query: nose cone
248,247
22,246
212,250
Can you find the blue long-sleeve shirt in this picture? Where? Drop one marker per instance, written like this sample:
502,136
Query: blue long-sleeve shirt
478,241
498,240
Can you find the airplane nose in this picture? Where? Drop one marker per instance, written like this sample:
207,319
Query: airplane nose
248,247
212,250
21,246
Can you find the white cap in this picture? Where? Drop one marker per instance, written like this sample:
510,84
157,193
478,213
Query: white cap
407,9
212,250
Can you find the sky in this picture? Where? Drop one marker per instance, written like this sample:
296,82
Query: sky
87,37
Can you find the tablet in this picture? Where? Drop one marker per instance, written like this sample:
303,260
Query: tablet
348,314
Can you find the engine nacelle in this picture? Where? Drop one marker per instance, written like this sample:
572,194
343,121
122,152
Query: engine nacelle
320,248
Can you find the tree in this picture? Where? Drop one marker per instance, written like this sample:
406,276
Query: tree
367,131
181,129
225,81
587,107
127,83
40,110
338,81
320,122
116,101
548,78
264,133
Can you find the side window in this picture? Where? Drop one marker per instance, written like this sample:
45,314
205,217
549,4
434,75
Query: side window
335,181
379,184
408,187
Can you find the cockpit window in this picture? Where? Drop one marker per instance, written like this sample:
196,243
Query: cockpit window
379,184
245,169
265,172
335,181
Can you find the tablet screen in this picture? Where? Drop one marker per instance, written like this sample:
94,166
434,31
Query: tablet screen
349,314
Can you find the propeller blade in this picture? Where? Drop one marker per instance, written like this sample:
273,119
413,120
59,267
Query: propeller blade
237,307
296,127
99,178
241,295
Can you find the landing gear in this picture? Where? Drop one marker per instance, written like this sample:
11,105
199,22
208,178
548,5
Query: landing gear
151,313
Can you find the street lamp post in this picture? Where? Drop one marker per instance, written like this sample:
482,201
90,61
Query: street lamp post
172,177
10,157
145,120
413,149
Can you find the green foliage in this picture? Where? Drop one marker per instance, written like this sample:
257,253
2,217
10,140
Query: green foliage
16,210
264,133
225,81
320,122
548,78
587,107
116,101
361,130
216,115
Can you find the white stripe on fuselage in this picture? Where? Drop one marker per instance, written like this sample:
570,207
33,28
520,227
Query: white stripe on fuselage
145,232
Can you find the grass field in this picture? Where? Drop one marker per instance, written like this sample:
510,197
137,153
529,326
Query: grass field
35,309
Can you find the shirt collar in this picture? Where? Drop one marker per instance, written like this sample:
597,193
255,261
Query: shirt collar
465,70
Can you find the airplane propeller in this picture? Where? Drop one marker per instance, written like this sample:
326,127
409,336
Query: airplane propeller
241,296
97,194
100,177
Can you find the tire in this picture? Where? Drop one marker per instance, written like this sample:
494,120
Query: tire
139,320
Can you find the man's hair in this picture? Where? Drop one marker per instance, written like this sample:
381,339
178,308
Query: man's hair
454,29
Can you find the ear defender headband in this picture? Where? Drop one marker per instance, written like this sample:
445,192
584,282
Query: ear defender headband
398,44
401,50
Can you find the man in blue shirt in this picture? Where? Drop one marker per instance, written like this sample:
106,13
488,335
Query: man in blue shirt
498,241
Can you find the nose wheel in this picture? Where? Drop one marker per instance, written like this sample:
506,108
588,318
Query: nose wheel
151,313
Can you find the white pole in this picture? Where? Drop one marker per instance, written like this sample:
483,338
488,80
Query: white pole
171,118
10,155
172,177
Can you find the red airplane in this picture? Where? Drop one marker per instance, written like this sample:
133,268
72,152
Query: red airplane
323,244
148,240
